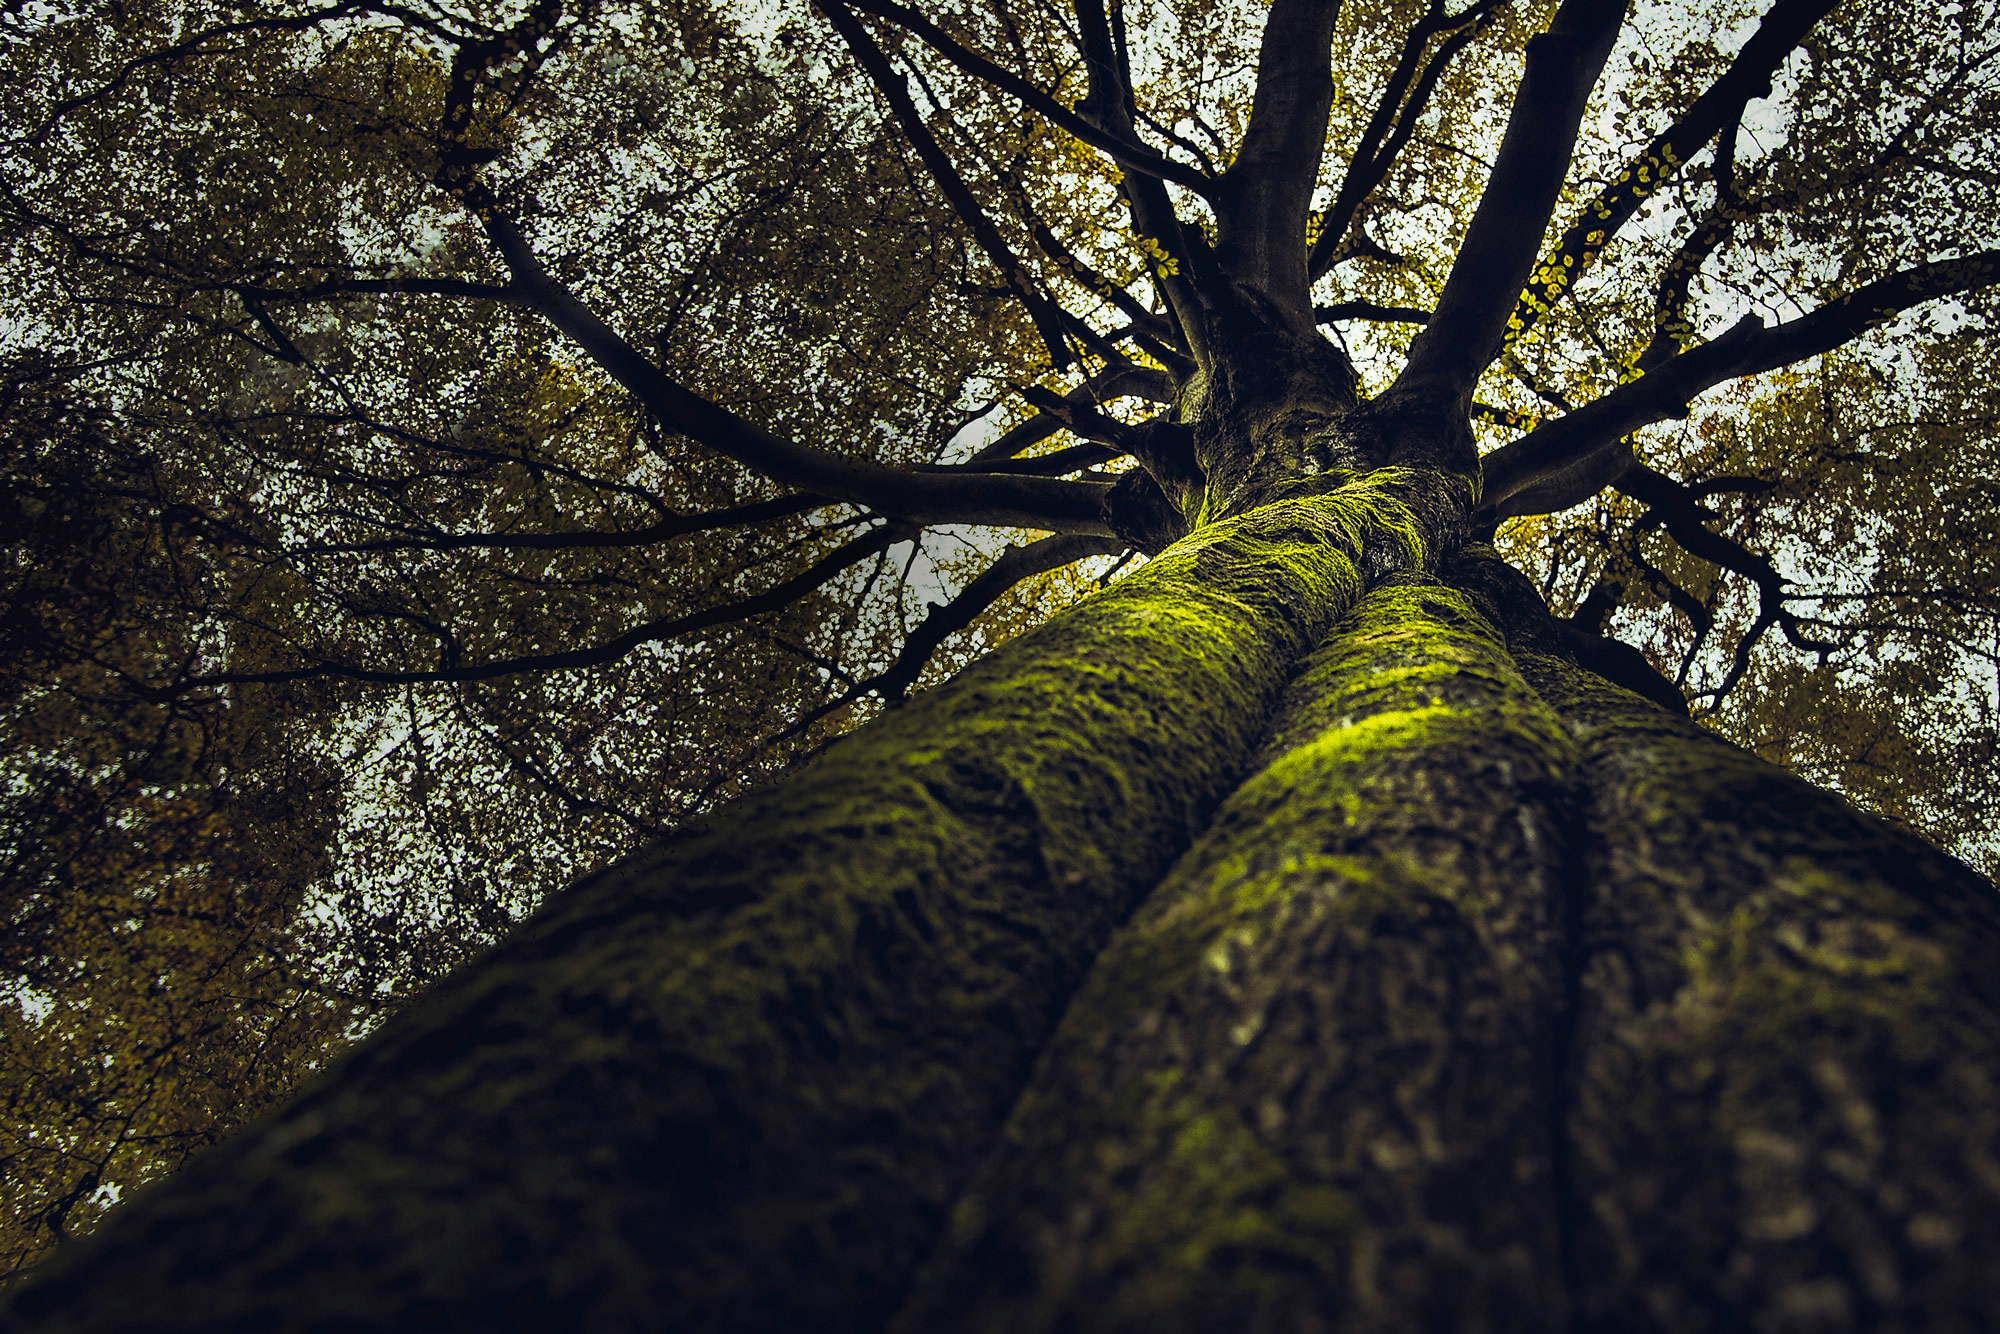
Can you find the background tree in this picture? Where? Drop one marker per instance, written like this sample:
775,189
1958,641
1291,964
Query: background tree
446,448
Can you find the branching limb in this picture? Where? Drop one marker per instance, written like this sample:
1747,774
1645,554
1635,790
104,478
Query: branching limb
1464,334
1120,380
1748,77
522,759
1005,501
1395,120
1108,102
1671,327
458,159
1360,245
1739,662
1143,322
941,622
1686,520
1024,436
1082,418
1015,565
1687,604
282,347
1155,326
1162,446
895,91
1179,140
782,595
1572,458
330,471
1124,149
1555,398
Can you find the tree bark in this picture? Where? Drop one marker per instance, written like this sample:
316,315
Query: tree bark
1785,1099
1313,1085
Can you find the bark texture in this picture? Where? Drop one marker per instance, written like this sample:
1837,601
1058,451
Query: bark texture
737,1084
1786,1098
1313,1085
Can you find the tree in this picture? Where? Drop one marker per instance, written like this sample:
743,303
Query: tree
1308,928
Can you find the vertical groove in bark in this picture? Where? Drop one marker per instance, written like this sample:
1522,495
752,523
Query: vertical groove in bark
1570,1215
735,1084
1787,1104
1309,1087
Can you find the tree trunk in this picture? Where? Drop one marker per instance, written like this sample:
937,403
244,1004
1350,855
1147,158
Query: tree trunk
1494,998
1786,1103
1313,1084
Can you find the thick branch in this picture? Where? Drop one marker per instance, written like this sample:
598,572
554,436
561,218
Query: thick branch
1008,501
459,287
1369,310
1570,459
1082,418
1748,77
1061,462
1267,192
1164,447
1499,250
1030,432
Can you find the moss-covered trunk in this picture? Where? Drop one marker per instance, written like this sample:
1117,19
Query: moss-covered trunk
1313,1083
1437,985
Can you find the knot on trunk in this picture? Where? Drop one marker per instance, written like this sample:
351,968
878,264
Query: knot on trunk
1138,511
1413,428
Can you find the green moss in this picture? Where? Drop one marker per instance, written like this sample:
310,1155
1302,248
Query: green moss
1224,1191
785,1040
1266,1074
